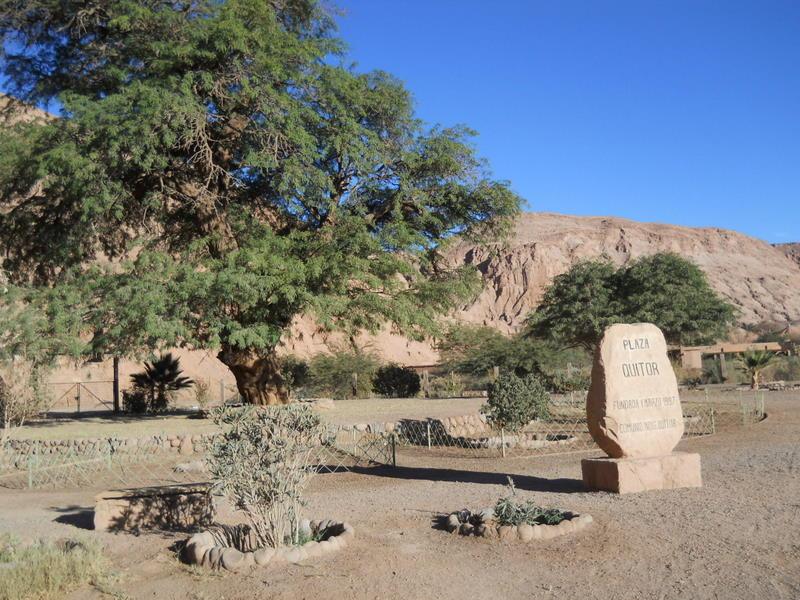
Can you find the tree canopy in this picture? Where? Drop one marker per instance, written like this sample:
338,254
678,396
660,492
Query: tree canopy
218,170
664,289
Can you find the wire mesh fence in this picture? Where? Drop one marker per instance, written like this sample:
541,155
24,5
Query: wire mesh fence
103,463
564,431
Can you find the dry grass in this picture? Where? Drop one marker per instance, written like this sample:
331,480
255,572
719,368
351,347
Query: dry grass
48,569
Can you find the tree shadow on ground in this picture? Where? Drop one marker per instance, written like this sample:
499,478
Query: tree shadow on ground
81,517
521,482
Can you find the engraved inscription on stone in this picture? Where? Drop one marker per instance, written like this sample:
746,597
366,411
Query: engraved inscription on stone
633,408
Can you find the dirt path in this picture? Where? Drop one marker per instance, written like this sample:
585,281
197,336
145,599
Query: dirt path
737,537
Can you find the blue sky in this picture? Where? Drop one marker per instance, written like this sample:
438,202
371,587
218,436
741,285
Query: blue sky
682,111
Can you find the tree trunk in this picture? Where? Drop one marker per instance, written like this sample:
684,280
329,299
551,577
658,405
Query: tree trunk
258,376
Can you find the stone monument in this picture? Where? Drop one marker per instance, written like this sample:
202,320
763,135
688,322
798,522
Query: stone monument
634,414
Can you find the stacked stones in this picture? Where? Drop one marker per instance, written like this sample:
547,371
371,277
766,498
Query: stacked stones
185,444
214,549
483,524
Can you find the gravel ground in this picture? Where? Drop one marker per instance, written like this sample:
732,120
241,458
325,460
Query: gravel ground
737,537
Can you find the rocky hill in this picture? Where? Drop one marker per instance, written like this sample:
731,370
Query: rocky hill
761,280
791,250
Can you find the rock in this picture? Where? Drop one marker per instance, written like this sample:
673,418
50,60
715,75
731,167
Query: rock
186,446
525,532
633,408
263,555
548,532
453,523
232,559
296,555
507,532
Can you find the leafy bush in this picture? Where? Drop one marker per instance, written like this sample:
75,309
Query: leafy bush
295,372
565,381
22,393
447,386
48,569
510,511
262,463
515,401
394,381
159,380
343,374
787,369
135,401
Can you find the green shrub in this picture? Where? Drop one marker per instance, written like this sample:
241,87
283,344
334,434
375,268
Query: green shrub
48,569
135,401
447,386
787,368
160,380
394,381
295,372
510,511
262,462
515,401
563,382
343,374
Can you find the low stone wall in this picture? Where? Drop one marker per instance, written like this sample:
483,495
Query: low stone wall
460,426
186,444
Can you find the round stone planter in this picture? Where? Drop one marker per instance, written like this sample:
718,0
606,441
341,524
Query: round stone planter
482,524
229,548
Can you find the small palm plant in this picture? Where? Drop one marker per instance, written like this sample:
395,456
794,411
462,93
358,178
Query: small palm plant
159,380
753,362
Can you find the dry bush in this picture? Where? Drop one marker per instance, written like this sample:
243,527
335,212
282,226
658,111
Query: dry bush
48,569
22,393
262,462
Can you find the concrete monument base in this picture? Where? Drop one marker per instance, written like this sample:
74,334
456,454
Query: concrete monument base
631,475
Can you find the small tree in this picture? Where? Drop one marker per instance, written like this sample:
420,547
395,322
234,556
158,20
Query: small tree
394,381
515,401
752,363
159,380
262,463
664,289
22,393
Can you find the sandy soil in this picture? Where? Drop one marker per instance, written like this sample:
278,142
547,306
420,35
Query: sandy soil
737,537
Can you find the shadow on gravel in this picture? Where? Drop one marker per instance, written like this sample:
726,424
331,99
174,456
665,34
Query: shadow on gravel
77,516
522,482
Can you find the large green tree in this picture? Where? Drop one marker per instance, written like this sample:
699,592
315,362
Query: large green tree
664,289
216,171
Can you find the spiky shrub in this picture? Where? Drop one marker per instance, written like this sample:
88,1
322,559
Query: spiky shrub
510,510
262,462
394,381
515,401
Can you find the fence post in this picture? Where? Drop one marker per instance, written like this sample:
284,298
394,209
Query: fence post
713,421
78,396
394,449
30,470
116,384
428,428
503,441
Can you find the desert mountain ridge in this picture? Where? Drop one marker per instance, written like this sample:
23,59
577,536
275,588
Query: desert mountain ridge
759,279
